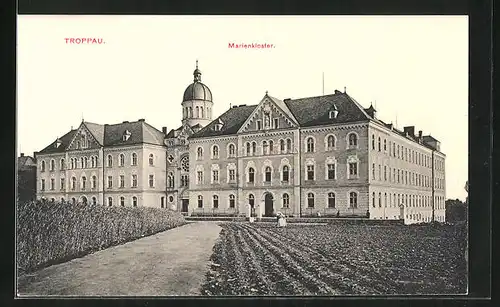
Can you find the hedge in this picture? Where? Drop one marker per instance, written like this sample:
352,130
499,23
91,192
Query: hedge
49,232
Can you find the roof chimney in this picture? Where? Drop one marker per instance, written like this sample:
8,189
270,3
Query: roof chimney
338,92
164,130
141,119
22,154
420,134
125,122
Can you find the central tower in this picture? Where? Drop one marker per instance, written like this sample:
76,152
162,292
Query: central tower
197,102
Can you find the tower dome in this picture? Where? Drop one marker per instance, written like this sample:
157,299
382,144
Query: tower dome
197,102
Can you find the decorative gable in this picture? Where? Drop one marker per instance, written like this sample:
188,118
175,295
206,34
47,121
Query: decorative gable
270,114
82,139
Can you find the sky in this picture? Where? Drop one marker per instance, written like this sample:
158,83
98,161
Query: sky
414,69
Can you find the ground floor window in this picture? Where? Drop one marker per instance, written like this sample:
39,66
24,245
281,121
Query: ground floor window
353,200
286,200
310,200
331,200
231,201
200,201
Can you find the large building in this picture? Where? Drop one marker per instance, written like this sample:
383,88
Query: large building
324,155
26,178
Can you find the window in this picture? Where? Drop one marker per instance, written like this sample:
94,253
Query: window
265,148
380,200
232,150
231,201
73,200
330,142
62,164
353,169
385,172
373,141
286,200
232,175
122,201
215,201
84,182
254,148
52,165
52,183
310,172
110,201
134,201
199,153
286,173
289,145
82,162
215,152
134,181
331,200
110,161
259,125
268,174
151,159
134,159
276,123
282,146
42,166
199,177
379,145
251,200
310,200
94,200
385,145
353,140
72,163
310,144
331,171
200,201
353,200
373,199
271,146
184,180
73,183
151,181
170,180
94,182
251,175
122,181
110,182
249,149
61,186
373,171
215,176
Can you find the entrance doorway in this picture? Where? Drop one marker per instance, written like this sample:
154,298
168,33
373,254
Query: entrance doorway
268,200
185,205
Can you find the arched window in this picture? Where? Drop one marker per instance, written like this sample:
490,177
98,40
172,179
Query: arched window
200,201
198,111
254,148
134,159
331,200
215,152
353,200
271,146
199,153
310,200
231,201
110,161
110,201
73,183
385,145
286,200
84,182
52,165
289,145
73,200
353,140
268,174
151,159
85,162
232,150
63,164
170,180
134,201
265,148
249,149
385,200
373,141
122,201
251,175
373,199
201,113
121,162
82,162
310,144
190,111
215,201
286,173
94,201
330,142
379,145
42,167
94,182
251,200
380,200
282,146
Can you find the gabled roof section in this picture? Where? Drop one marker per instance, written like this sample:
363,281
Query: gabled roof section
140,132
65,141
314,111
24,162
284,108
233,119
96,130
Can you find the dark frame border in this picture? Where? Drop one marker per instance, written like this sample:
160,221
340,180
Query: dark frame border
480,122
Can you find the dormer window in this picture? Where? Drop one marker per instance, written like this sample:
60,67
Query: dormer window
58,143
218,125
126,135
333,112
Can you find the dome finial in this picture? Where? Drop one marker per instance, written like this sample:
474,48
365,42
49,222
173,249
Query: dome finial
197,73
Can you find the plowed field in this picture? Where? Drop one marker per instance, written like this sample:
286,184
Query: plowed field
261,259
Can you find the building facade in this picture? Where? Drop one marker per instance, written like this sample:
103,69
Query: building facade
324,155
26,178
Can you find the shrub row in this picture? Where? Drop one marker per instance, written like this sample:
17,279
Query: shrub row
49,233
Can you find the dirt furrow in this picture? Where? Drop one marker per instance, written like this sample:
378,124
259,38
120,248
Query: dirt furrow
285,282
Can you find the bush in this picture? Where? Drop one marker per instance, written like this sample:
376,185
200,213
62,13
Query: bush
49,233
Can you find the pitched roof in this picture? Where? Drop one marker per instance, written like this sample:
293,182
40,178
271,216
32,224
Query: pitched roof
25,162
111,135
232,119
283,107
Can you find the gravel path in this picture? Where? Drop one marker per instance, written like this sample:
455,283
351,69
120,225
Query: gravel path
173,262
